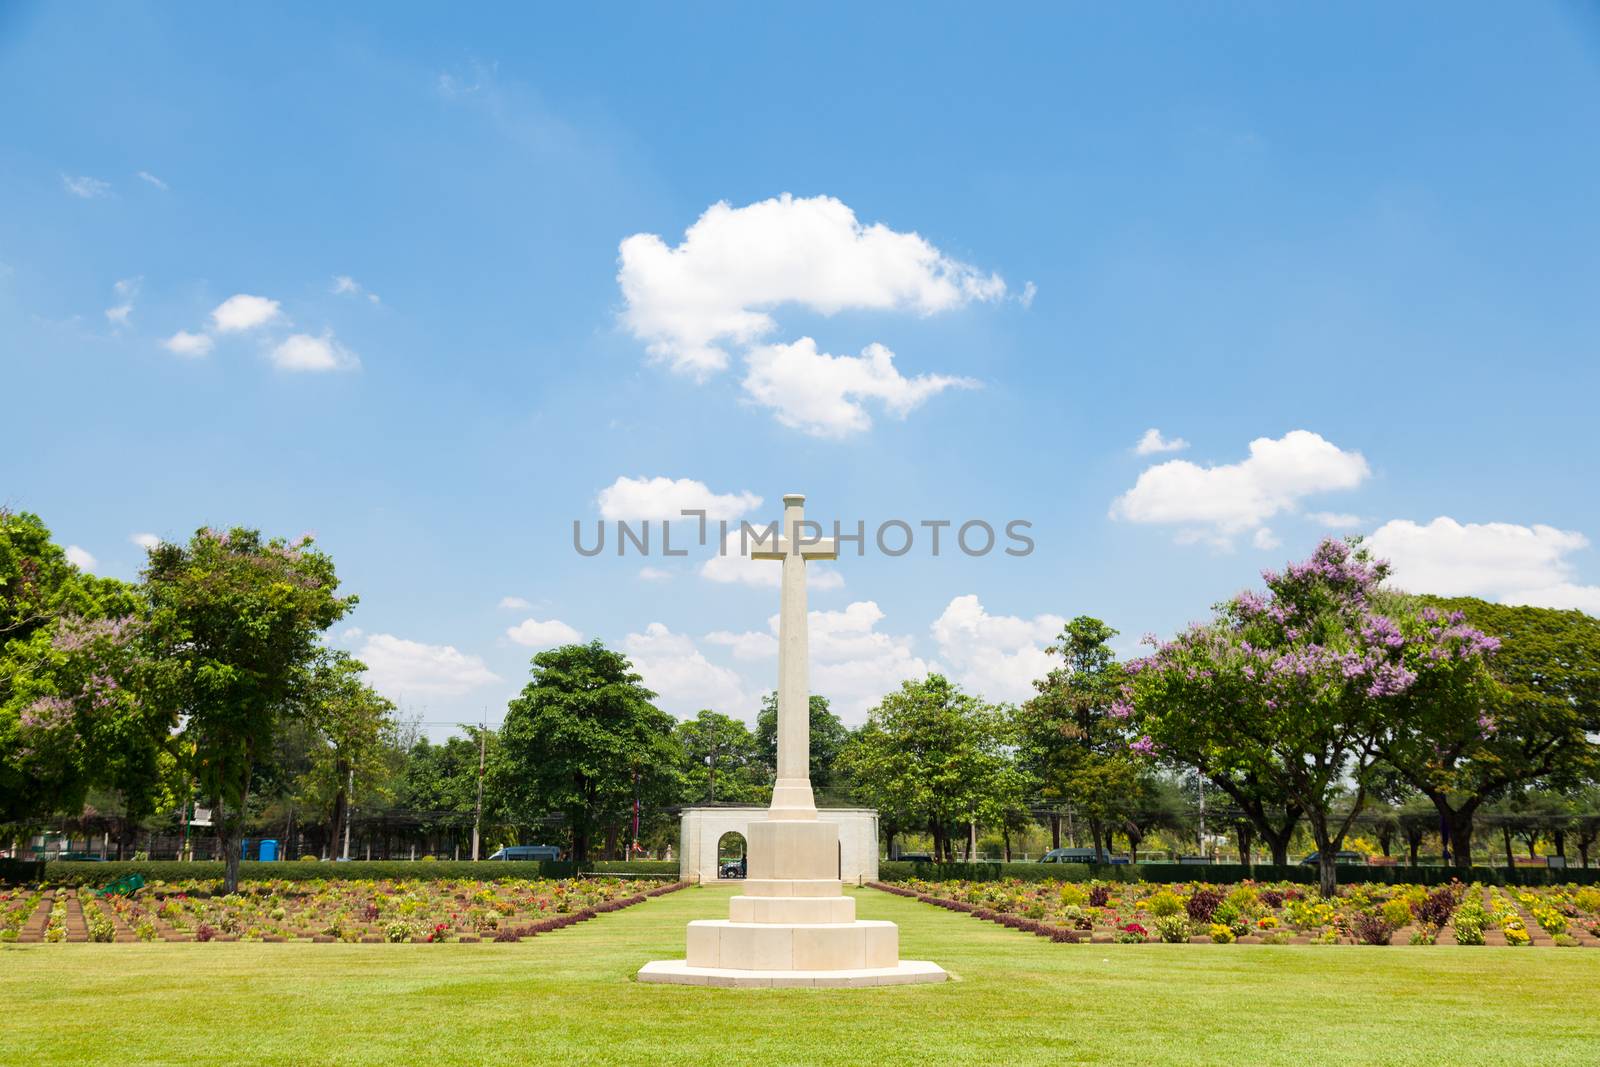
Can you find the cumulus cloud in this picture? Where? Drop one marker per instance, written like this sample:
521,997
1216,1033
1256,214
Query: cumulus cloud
244,312
1217,502
84,187
995,656
1264,538
1334,520
303,352
1496,560
1152,442
145,541
820,394
151,179
683,679
632,499
751,644
736,265
344,285
80,558
125,291
403,670
189,345
514,602
548,634
734,565
654,574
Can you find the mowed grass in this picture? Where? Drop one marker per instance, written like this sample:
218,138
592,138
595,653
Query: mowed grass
570,997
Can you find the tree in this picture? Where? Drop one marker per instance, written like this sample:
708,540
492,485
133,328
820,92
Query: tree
1072,743
933,753
1297,688
349,721
1466,746
584,739
721,760
234,628
72,717
828,738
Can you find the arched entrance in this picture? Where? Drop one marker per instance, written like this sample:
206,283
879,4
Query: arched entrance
732,855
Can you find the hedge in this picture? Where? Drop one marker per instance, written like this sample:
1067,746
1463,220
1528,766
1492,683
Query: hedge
897,871
78,872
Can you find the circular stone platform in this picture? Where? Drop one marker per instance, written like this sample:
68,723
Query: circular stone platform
678,972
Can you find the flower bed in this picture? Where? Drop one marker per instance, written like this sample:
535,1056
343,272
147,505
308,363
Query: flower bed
1274,913
398,911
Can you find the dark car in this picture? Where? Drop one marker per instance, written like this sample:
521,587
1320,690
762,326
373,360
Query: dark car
914,857
81,857
528,852
1343,859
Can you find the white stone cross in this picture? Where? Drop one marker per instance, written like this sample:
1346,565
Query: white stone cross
791,793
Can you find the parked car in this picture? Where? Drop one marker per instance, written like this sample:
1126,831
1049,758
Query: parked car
1346,858
732,869
81,857
914,857
528,852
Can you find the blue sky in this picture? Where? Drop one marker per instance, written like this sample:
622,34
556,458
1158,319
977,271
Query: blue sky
1365,240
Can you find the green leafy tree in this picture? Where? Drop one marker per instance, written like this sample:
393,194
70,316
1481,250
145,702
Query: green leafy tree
828,738
1462,747
72,716
934,756
585,740
233,632
350,723
721,761
1070,742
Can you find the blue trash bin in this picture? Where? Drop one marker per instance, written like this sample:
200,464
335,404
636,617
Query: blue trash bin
269,850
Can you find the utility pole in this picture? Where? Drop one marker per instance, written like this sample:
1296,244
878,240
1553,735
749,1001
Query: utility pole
477,809
1200,780
349,798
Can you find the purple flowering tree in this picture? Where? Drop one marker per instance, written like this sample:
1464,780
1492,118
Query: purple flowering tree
1295,688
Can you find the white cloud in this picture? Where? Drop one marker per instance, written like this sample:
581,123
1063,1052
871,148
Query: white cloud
751,644
654,574
145,541
404,670
995,656
184,343
85,187
1334,520
80,558
514,602
683,679
1152,442
1264,538
1495,560
146,176
344,285
736,265
244,312
667,498
853,663
1217,502
733,565
819,394
303,352
549,634
1029,291
126,290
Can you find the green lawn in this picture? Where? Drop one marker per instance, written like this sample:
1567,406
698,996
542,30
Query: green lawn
569,997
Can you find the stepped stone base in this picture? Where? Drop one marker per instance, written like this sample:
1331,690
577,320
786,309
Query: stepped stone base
678,972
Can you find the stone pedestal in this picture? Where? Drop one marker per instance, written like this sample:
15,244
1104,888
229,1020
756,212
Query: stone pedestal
792,925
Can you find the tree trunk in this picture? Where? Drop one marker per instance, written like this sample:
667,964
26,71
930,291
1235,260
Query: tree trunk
1560,840
1414,843
1511,859
1457,824
1242,830
1055,829
1095,832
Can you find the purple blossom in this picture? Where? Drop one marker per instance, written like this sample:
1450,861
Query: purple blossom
1144,746
1120,709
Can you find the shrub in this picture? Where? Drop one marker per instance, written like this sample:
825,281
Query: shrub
1371,928
1469,929
1132,934
1276,937
398,932
1273,898
1565,941
1437,907
1074,894
1173,929
1426,935
1202,904
507,934
145,930
1517,936
1164,904
204,932
1246,901
1588,899
1099,895
1396,913
1222,935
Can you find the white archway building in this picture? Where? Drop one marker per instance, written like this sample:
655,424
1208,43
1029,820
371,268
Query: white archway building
702,827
